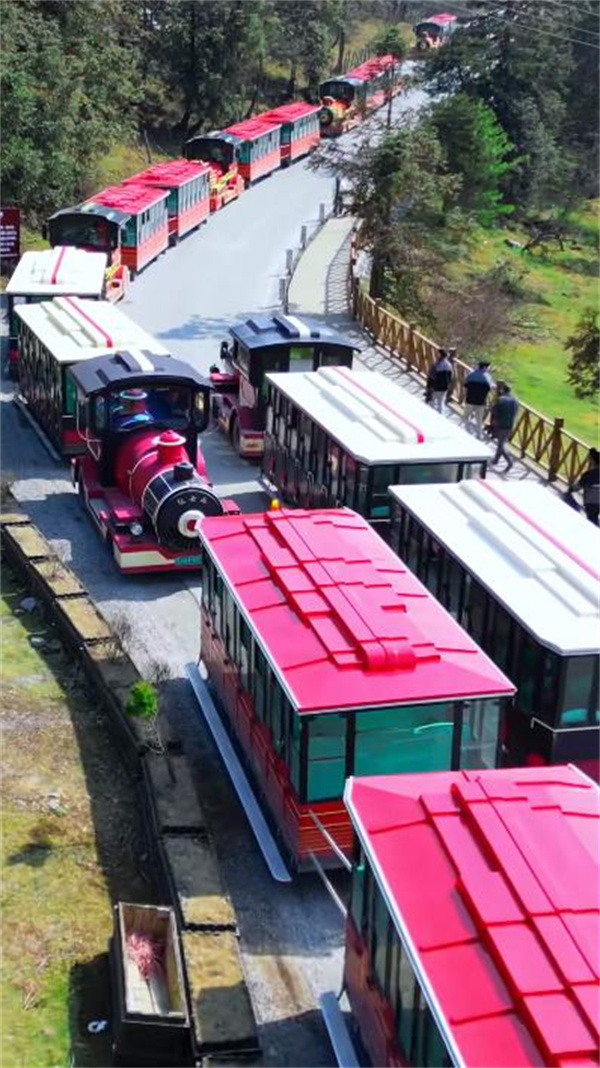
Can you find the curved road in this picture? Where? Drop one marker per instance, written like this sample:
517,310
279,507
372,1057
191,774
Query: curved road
291,937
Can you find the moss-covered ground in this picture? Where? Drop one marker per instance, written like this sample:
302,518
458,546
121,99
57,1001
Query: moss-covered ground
70,847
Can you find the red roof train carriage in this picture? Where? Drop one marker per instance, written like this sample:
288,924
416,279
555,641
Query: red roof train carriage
330,659
472,936
188,202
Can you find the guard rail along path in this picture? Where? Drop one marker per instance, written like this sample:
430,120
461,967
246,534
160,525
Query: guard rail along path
541,439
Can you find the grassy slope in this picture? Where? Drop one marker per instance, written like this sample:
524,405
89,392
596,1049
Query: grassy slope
56,907
560,287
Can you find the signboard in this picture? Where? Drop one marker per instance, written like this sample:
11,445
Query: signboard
10,235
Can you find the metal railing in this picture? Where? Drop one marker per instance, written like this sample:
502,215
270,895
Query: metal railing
541,439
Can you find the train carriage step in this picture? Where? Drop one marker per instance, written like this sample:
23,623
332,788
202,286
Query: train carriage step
339,1036
260,828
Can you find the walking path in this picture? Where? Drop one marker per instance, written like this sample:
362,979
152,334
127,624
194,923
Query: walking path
320,288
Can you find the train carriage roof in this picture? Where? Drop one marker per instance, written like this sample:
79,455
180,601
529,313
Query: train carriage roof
250,129
437,20
290,112
535,555
59,270
72,329
130,197
170,175
263,331
340,618
129,367
376,420
492,881
371,68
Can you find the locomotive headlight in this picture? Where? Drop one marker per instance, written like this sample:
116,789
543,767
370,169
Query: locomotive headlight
188,523
136,530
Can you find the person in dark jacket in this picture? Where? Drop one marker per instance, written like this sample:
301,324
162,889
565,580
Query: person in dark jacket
439,380
503,419
589,484
478,384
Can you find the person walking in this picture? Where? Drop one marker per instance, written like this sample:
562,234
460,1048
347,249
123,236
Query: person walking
478,384
503,419
589,484
439,380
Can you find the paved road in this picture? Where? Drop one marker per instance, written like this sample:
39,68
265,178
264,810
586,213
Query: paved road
291,937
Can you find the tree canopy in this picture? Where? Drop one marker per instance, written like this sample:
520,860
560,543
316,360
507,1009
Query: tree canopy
584,365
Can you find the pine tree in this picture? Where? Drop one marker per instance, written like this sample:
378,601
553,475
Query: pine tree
584,365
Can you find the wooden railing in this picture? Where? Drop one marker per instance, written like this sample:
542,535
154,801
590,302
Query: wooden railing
544,441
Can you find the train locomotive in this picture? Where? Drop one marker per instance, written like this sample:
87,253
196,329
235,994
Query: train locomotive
143,478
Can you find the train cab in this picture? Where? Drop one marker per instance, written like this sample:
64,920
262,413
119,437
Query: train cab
259,346
143,478
221,152
434,31
94,228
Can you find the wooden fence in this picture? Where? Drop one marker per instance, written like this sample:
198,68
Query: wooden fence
542,440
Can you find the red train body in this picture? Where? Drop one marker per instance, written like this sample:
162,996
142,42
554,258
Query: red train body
300,132
146,233
143,478
188,185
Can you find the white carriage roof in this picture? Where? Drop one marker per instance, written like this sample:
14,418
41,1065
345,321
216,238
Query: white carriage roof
376,420
58,270
72,329
535,555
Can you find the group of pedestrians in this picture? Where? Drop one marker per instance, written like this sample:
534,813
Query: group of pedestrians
478,386
502,420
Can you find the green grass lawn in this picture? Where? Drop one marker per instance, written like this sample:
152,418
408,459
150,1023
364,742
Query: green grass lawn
559,287
59,871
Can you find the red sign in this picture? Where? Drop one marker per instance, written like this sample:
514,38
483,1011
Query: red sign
10,233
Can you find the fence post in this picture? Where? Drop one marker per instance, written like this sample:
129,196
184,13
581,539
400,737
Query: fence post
283,293
303,236
554,458
289,260
322,213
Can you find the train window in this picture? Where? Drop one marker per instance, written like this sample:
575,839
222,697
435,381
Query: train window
70,395
294,747
245,652
357,892
476,611
100,413
380,926
129,233
435,1054
326,756
230,635
218,606
260,684
276,715
579,704
381,477
362,481
413,474
392,977
451,586
407,993
526,670
480,731
403,739
349,479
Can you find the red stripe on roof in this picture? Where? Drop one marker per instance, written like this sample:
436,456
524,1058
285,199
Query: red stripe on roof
540,530
57,265
84,315
420,435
